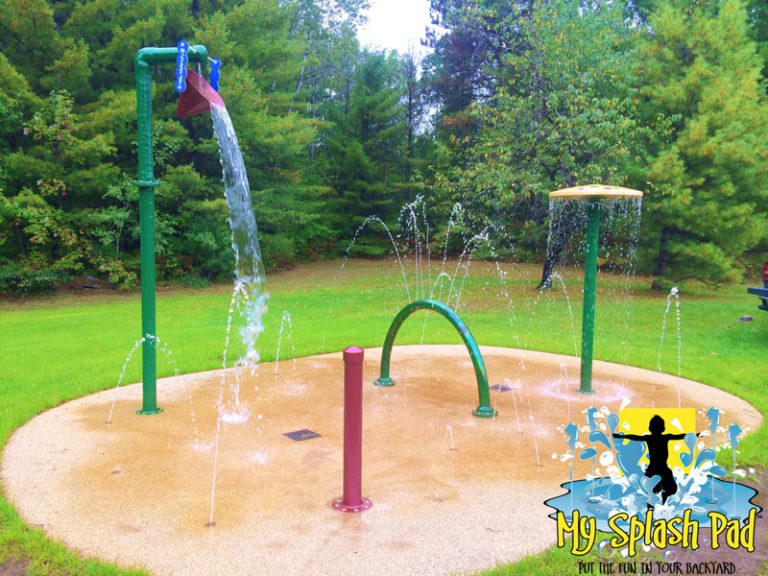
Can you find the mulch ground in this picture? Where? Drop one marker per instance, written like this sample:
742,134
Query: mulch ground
740,560
14,568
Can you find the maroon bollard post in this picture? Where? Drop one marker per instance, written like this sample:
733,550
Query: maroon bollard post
353,501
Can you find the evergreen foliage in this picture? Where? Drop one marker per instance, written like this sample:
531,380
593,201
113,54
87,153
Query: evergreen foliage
708,177
513,100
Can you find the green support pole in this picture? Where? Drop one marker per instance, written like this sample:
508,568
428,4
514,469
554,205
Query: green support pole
148,281
590,284
484,409
144,60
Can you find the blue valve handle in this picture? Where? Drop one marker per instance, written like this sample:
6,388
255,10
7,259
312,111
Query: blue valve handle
181,66
214,75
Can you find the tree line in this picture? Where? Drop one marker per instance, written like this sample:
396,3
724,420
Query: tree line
514,99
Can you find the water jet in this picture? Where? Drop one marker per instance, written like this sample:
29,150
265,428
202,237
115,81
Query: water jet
593,195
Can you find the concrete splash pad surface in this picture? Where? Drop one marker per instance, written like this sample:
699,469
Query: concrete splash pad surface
451,493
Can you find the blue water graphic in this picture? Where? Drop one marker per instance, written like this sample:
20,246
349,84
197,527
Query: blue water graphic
603,498
626,489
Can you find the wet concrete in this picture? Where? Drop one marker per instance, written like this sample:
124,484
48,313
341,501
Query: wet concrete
451,493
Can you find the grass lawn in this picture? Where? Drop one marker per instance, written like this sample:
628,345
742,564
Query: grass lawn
53,349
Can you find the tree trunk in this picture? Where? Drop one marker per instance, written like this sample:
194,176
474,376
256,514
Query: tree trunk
560,231
662,261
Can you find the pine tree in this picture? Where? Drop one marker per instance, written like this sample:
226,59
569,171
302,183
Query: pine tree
708,181
367,143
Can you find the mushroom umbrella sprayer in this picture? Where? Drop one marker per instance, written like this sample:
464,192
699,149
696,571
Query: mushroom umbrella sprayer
594,195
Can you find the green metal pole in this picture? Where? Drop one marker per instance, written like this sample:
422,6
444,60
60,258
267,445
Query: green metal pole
144,60
484,409
590,284
148,281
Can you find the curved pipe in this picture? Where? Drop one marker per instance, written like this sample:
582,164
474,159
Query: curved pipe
484,409
143,62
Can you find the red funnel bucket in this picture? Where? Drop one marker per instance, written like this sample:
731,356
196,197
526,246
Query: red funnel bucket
198,97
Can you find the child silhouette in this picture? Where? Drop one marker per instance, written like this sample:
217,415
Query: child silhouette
658,452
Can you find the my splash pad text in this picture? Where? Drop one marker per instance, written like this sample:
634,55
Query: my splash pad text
632,531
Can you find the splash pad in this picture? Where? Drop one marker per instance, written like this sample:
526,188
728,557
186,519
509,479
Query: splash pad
452,492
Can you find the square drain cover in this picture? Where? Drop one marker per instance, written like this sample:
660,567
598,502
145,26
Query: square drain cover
301,435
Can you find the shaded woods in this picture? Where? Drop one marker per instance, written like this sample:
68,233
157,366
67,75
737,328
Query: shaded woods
505,102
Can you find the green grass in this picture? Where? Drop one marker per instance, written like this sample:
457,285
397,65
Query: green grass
58,348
